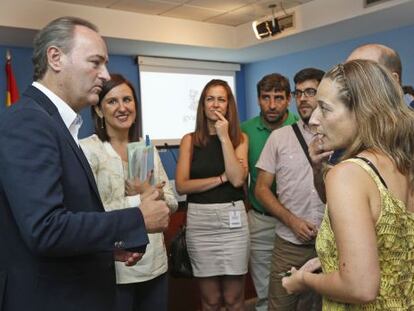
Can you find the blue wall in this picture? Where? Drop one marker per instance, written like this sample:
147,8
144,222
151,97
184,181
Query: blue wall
400,39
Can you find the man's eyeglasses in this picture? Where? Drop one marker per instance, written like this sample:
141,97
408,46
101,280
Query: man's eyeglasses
309,92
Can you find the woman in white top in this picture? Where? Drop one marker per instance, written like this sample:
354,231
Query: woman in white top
143,286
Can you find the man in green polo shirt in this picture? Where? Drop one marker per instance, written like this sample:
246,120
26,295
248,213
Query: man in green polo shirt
273,93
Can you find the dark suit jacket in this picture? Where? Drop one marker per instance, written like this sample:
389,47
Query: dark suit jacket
56,240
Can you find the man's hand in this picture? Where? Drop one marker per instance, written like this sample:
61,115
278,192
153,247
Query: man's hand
129,258
305,231
317,153
155,212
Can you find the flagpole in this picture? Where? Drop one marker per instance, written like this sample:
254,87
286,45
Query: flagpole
8,55
12,92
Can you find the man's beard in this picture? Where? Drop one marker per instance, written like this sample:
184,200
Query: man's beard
278,118
305,119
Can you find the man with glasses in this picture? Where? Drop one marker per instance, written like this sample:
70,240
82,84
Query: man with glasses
273,92
296,205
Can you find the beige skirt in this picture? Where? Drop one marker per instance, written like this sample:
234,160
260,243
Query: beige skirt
215,248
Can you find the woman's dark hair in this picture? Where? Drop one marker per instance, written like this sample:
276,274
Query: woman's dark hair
99,123
201,134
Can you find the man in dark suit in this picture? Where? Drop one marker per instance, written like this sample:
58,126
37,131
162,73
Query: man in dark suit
58,245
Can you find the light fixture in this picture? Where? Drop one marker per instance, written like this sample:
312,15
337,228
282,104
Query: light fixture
266,28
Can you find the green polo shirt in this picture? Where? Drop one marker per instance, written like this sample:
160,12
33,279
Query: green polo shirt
258,133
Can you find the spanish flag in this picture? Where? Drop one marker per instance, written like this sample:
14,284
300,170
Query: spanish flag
12,91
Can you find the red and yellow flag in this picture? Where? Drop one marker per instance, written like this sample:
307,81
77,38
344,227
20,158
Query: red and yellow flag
12,92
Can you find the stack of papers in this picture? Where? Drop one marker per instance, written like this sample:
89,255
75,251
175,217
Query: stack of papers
140,160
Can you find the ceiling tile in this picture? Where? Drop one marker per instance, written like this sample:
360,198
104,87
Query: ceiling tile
230,19
248,11
227,5
98,3
144,6
263,5
193,13
226,12
235,18
171,1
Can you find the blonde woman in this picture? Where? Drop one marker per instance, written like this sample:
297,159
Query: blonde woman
366,241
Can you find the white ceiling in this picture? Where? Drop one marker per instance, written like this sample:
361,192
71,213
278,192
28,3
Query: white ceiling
224,12
317,23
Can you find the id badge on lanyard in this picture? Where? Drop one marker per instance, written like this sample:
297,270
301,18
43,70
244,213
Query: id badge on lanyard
234,218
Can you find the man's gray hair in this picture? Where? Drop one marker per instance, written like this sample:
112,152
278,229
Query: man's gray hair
59,33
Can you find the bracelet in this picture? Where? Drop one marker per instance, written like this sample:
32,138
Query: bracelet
221,179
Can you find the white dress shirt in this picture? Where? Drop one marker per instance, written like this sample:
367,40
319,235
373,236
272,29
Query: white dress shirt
72,120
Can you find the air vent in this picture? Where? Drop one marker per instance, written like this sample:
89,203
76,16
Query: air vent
368,3
286,21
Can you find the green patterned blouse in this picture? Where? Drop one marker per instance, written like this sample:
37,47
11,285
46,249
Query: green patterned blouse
395,238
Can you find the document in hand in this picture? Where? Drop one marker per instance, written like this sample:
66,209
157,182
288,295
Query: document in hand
140,160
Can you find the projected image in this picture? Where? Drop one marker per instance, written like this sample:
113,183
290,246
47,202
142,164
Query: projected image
169,102
192,107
